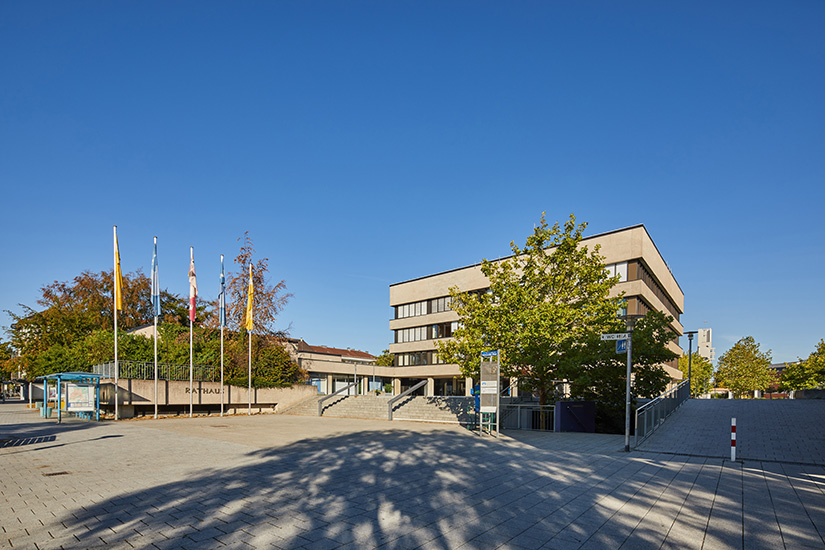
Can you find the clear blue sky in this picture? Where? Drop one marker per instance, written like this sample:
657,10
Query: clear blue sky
367,143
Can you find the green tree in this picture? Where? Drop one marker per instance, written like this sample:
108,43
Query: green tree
7,365
701,371
595,372
806,374
743,368
73,331
268,299
272,365
541,304
386,359
72,310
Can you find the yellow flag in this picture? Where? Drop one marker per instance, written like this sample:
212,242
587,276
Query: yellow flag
249,324
118,278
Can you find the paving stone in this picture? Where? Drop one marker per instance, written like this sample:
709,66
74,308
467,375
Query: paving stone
294,482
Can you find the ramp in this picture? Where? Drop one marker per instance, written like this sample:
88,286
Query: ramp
778,430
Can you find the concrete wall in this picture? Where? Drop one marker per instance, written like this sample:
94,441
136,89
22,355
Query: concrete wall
142,392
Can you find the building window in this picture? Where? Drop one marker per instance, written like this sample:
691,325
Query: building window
645,276
438,305
414,334
443,330
424,307
411,310
619,269
413,359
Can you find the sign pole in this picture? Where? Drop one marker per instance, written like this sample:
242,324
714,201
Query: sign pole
489,399
627,394
498,396
630,319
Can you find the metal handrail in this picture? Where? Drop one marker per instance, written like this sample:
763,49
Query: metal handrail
396,398
508,409
656,411
330,396
142,370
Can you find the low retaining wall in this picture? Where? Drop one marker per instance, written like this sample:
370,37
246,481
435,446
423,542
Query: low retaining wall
141,393
809,394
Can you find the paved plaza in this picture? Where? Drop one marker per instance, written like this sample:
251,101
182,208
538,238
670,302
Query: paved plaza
293,482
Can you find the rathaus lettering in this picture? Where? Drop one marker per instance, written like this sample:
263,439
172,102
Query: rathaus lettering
205,390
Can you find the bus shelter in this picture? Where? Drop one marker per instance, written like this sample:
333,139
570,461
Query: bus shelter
76,393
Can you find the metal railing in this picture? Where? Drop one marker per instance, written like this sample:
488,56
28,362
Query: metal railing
527,416
651,415
330,396
139,370
395,399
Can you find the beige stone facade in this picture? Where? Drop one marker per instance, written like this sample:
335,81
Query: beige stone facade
422,315
206,396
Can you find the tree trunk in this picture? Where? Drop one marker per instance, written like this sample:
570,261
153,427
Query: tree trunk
542,402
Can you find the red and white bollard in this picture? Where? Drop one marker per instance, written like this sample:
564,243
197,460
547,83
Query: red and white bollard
733,439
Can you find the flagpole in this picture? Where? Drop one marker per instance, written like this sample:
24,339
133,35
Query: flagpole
249,326
221,370
114,277
155,310
156,366
191,368
250,373
192,299
222,320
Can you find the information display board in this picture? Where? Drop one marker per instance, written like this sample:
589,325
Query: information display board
489,383
80,397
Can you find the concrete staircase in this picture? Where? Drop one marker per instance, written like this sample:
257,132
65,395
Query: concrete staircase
435,409
357,406
426,409
305,407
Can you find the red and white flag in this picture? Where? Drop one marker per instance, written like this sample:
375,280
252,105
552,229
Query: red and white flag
193,285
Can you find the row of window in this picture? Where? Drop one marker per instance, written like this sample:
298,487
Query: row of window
414,334
417,358
427,332
424,307
437,305
644,275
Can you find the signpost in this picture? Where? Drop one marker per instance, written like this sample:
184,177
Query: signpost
628,338
490,371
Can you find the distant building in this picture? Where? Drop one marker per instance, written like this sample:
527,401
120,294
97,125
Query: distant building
147,331
706,348
331,369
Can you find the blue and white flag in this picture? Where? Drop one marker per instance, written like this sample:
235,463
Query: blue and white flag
222,297
155,283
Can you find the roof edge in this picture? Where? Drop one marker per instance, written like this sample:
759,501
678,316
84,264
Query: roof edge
511,255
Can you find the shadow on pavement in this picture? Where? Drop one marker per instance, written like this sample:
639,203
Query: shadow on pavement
395,488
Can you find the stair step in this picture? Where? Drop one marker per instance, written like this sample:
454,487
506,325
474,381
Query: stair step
432,409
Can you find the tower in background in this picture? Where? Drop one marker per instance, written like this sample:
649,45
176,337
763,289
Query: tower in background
706,349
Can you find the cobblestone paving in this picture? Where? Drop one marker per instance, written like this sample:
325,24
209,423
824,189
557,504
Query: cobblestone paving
322,483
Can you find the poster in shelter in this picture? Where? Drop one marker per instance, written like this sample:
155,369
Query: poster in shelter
81,397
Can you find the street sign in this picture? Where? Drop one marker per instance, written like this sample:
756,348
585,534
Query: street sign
493,353
621,346
489,386
616,336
